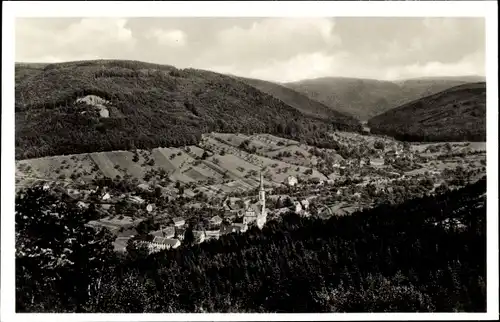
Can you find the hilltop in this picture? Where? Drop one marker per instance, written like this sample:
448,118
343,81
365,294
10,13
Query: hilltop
366,98
456,114
105,105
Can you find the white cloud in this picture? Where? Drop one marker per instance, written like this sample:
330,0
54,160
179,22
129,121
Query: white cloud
278,49
172,38
470,65
89,37
276,31
271,38
299,67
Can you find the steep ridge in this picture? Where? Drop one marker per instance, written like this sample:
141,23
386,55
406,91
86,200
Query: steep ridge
149,106
456,114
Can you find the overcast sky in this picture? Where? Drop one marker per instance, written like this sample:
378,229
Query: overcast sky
276,49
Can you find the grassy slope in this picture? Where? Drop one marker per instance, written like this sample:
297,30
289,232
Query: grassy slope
456,114
152,106
366,98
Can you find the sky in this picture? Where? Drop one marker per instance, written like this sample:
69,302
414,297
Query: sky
275,49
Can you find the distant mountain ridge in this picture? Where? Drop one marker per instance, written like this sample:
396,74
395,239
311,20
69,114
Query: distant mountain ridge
294,99
455,114
366,98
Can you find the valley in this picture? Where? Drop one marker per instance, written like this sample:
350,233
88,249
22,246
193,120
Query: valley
147,144
195,182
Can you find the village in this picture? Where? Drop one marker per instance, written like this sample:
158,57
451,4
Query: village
159,218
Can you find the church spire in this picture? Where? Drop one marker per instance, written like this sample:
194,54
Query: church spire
262,192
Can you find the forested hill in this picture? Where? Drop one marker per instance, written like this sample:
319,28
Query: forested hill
366,98
425,255
456,114
147,106
297,100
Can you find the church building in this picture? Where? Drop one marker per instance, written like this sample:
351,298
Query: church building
257,212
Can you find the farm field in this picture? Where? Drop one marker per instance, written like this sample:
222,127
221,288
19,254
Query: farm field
233,169
224,163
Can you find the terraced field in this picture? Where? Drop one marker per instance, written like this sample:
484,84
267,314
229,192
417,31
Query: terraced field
227,168
221,164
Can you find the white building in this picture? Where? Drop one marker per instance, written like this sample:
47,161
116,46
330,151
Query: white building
136,199
103,112
82,205
305,204
199,236
297,207
144,187
216,220
292,181
106,196
212,234
162,243
240,227
179,222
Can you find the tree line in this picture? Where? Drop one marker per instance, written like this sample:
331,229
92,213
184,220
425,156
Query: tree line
427,255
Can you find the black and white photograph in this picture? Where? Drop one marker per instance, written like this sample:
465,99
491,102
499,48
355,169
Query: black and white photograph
236,163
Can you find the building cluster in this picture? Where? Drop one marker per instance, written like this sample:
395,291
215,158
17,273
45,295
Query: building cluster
239,216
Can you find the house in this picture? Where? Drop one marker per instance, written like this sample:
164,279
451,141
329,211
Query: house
216,220
103,112
330,181
136,199
281,211
297,207
251,213
82,205
162,243
212,234
305,204
292,181
234,205
167,232
106,196
377,162
106,206
144,186
179,222
46,186
239,227
199,236
149,207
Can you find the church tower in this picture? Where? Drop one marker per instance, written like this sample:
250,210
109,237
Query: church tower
262,192
262,216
